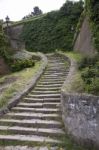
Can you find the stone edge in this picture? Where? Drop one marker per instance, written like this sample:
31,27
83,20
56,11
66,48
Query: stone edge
13,102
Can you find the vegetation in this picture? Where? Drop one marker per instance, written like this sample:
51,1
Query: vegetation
75,84
3,43
90,74
14,64
90,66
53,31
18,81
36,11
21,64
86,77
92,9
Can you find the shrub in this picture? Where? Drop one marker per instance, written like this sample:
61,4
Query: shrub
90,74
21,64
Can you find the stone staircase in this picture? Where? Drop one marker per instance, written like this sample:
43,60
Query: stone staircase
36,120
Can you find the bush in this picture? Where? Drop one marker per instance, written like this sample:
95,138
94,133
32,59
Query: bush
21,64
93,88
90,74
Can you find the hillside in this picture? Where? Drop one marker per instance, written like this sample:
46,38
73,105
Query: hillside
53,31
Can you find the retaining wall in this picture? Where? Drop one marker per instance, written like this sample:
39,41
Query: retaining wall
80,113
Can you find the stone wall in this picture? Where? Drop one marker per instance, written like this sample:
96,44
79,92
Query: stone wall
81,118
14,33
3,67
83,42
80,113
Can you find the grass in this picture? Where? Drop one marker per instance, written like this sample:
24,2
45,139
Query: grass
76,83
22,79
74,55
69,144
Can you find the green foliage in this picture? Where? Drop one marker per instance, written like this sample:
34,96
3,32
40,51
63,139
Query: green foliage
53,31
4,45
90,74
21,64
92,9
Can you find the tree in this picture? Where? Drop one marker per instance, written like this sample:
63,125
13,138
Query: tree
37,11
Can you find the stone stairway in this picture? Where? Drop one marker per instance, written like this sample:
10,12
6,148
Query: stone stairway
36,120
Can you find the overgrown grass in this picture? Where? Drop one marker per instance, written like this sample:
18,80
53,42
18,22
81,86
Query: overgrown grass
22,79
76,83
74,55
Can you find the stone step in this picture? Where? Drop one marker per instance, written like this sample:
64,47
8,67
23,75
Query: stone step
28,138
31,123
40,105
36,110
19,147
60,63
51,82
33,131
45,92
47,89
56,68
28,115
50,76
35,100
52,79
50,85
57,61
53,75
44,95
49,73
55,72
